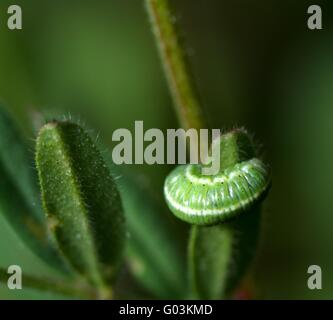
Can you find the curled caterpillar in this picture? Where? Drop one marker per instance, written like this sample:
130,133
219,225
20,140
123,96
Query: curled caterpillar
206,200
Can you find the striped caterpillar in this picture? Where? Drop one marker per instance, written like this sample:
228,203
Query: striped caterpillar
242,181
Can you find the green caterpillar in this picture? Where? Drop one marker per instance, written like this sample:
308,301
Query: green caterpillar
241,181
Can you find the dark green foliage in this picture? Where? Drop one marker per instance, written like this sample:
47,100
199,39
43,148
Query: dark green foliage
19,198
154,250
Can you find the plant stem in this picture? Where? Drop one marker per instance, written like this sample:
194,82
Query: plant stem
220,255
59,286
179,76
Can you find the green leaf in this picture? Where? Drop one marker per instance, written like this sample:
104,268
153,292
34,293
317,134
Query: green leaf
220,255
19,200
156,246
81,200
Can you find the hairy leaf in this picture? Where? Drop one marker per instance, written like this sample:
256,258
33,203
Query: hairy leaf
220,255
81,201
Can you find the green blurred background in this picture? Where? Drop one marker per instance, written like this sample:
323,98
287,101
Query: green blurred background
256,64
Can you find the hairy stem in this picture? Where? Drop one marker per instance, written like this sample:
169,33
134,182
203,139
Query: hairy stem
180,79
57,286
220,255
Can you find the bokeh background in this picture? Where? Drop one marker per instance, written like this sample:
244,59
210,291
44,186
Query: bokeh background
257,65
